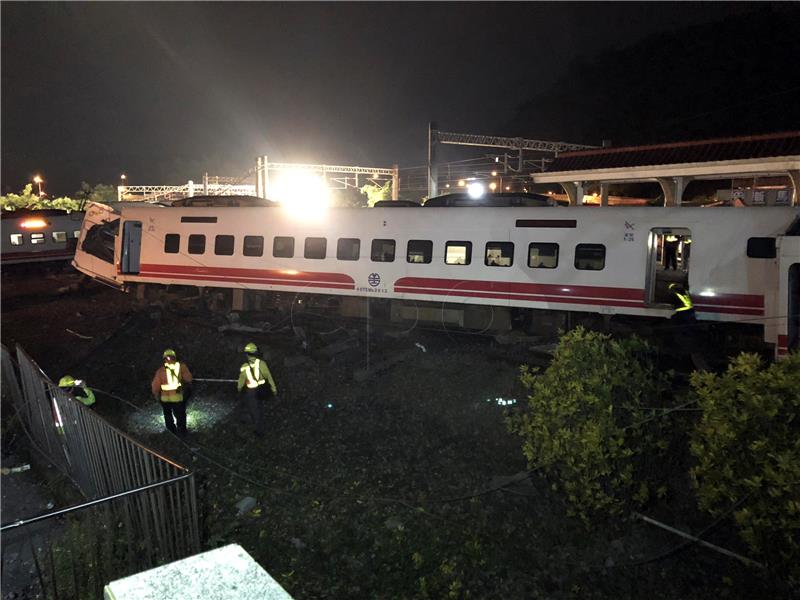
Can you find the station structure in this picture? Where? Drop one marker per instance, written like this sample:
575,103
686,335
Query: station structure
765,169
769,159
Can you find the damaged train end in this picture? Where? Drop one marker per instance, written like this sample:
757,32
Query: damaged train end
99,245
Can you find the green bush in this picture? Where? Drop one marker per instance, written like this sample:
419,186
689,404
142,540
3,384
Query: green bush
747,446
26,199
586,428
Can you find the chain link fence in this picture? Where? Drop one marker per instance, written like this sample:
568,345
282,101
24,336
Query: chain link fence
140,509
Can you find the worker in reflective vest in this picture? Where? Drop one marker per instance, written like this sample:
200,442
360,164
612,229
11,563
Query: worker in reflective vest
257,386
172,386
77,389
682,301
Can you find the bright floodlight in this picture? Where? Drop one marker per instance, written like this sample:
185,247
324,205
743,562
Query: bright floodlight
302,193
37,179
475,190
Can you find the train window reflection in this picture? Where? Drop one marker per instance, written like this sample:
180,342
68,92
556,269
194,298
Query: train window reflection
499,254
590,257
59,237
458,253
382,250
348,249
315,247
172,243
419,251
542,255
37,238
283,247
197,243
16,239
253,245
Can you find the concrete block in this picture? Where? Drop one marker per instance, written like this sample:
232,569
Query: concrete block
227,573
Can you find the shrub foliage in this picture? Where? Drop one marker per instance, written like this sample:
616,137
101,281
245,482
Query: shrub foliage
587,427
747,446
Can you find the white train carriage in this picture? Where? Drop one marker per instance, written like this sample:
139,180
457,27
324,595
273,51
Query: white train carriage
742,264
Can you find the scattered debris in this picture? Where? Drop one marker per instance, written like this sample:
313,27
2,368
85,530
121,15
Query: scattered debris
83,337
502,401
245,505
20,469
394,524
420,346
298,543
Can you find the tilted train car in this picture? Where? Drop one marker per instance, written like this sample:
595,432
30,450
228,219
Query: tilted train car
39,235
742,264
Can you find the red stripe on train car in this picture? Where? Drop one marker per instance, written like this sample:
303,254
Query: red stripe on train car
527,297
267,276
630,294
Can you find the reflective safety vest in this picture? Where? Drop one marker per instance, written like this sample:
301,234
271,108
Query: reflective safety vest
686,301
252,373
171,391
85,396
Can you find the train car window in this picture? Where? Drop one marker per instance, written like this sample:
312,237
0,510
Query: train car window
253,245
761,247
197,243
16,239
315,247
590,257
382,251
348,248
542,255
458,253
172,243
419,251
37,238
59,237
223,245
283,247
499,254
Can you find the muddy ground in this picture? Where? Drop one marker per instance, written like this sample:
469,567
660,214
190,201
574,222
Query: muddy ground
382,486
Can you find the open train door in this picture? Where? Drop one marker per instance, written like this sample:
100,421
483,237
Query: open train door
789,289
97,244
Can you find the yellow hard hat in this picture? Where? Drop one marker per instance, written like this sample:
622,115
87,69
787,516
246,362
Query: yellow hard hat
66,381
169,353
251,348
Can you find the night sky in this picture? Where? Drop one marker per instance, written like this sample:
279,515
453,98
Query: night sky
165,92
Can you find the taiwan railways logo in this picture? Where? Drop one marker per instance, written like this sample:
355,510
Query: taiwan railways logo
374,279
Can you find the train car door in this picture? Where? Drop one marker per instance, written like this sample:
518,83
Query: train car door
668,261
131,246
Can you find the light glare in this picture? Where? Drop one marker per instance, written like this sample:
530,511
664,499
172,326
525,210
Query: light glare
475,190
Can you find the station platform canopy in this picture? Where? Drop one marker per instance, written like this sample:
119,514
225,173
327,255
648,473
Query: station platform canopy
675,165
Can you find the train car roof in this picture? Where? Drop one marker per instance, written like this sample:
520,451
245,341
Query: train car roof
223,201
44,212
498,199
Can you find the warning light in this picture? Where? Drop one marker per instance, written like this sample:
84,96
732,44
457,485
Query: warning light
33,224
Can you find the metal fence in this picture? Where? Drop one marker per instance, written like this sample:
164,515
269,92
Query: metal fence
140,511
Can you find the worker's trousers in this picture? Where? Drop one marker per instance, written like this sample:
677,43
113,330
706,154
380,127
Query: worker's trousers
255,404
175,411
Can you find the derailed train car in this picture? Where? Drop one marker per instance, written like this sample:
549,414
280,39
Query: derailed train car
39,235
742,265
